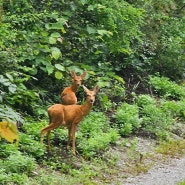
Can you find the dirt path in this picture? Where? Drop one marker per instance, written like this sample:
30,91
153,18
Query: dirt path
163,171
163,174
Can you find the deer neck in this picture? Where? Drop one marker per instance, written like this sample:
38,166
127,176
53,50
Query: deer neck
74,87
86,108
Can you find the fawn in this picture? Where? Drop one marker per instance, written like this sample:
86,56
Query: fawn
68,95
69,116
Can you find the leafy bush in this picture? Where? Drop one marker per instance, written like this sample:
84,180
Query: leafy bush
97,143
6,149
175,108
166,88
8,112
12,178
33,128
156,121
31,147
18,163
127,118
95,134
145,99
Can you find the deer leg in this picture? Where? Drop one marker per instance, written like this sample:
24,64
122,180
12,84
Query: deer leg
48,139
73,131
69,137
48,130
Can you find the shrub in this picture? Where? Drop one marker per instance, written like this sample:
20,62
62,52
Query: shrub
175,108
127,118
166,88
34,128
17,163
30,146
95,134
156,121
145,99
6,149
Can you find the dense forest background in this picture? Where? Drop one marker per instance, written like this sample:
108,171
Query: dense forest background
116,42
133,49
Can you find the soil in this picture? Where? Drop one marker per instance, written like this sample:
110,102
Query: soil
162,174
142,165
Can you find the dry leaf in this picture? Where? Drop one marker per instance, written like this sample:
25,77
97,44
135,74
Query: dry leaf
8,131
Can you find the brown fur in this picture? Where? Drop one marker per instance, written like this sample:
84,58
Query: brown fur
69,116
68,95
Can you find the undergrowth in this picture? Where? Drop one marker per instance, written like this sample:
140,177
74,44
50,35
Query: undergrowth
160,117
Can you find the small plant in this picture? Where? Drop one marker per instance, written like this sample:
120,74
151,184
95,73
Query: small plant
6,149
156,121
95,134
172,148
30,146
175,108
166,88
127,118
144,100
18,163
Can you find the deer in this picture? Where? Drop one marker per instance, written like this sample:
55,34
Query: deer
68,95
69,116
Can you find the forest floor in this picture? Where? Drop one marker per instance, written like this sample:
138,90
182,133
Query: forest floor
144,162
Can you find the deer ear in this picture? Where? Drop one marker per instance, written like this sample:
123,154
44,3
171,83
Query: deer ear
85,88
96,89
73,74
84,74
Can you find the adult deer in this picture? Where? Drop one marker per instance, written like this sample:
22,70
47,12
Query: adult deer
69,116
68,95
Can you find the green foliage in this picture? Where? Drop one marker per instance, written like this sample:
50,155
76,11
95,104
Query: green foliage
156,121
174,108
127,119
31,147
12,178
144,100
166,88
17,163
8,113
32,128
42,41
95,134
162,47
6,149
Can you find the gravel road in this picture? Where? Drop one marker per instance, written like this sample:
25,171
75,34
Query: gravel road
162,174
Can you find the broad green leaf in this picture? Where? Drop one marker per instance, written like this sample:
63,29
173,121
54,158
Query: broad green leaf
49,69
103,84
58,75
90,7
104,32
10,77
12,88
56,53
52,40
90,30
119,79
60,67
83,2
58,25
55,35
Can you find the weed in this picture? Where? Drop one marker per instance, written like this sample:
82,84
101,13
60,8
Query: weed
18,163
156,121
172,148
95,134
127,118
166,88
